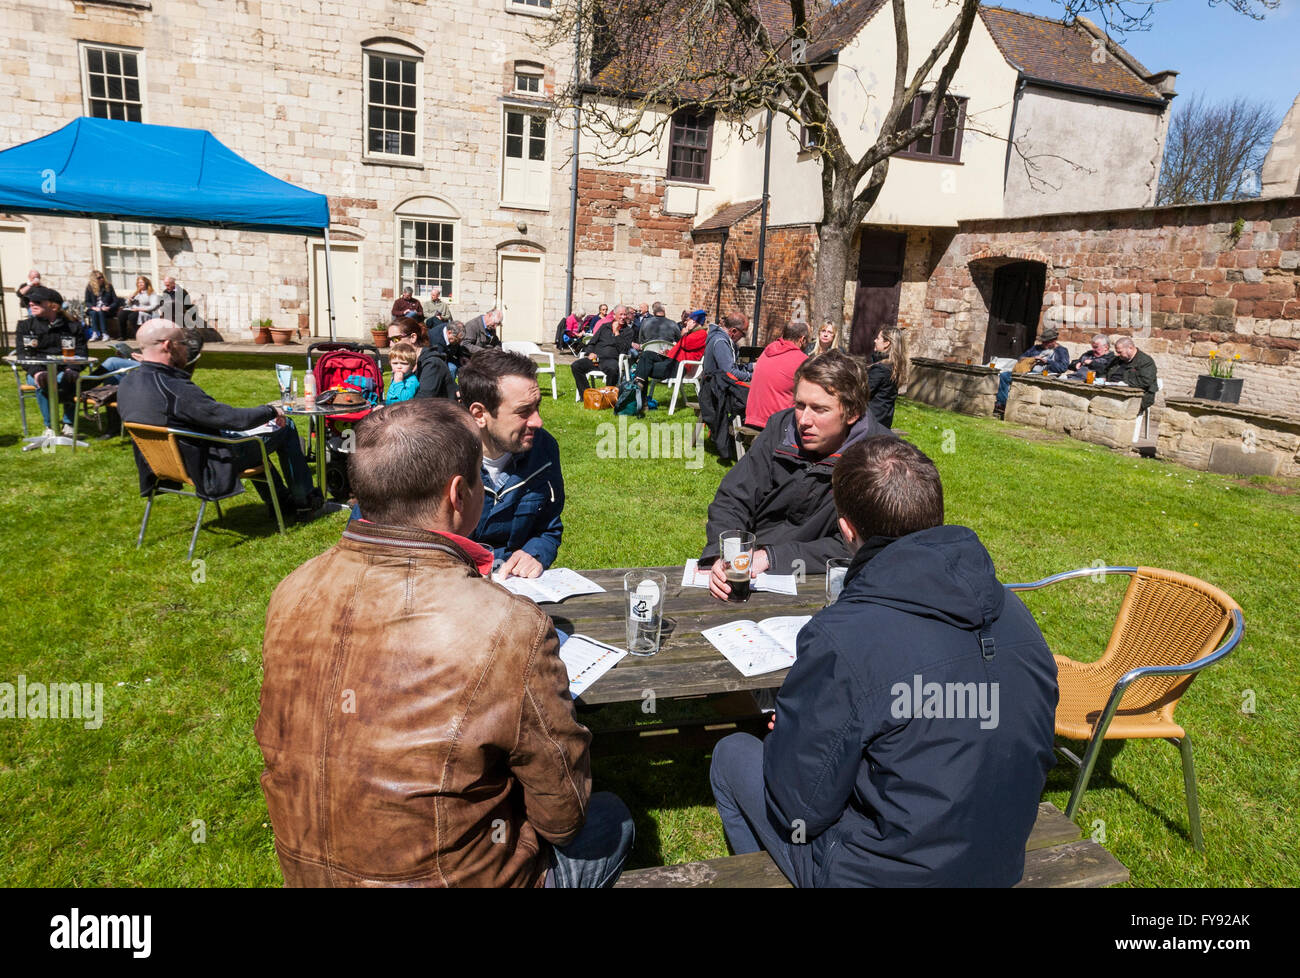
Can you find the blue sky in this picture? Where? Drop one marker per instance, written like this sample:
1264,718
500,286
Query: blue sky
1215,50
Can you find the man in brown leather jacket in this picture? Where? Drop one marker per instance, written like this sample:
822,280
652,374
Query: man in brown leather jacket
416,721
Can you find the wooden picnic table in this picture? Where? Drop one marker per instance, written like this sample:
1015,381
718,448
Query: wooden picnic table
687,664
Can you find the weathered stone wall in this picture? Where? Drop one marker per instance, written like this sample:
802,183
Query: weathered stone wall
790,266
1225,438
1104,415
1220,277
628,248
953,386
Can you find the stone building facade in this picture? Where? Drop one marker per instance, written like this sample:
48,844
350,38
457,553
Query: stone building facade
428,128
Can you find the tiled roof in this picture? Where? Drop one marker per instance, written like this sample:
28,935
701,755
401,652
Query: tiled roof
1063,53
839,25
1043,48
729,215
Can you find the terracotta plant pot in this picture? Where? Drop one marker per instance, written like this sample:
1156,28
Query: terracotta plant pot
261,335
281,337
380,338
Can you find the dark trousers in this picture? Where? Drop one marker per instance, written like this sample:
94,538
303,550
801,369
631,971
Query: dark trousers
583,366
285,444
655,366
736,775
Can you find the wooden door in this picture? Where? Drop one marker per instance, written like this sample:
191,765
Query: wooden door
880,283
15,263
521,299
345,263
1014,311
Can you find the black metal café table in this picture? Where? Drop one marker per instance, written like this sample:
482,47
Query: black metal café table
318,415
51,366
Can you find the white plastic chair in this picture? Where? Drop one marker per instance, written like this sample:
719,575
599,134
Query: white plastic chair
533,350
688,372
1142,425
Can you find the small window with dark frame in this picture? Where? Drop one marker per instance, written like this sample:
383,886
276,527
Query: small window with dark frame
943,141
689,147
745,280
810,137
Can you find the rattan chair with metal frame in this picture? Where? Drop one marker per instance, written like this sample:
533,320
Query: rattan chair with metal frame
1169,627
83,406
161,451
26,391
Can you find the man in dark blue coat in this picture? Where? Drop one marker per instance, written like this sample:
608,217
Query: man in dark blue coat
522,484
913,735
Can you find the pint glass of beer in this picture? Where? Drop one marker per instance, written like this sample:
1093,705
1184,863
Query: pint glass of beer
1091,377
737,550
69,347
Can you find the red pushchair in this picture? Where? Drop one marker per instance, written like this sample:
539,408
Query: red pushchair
347,367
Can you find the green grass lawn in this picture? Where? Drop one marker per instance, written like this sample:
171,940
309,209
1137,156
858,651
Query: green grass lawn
177,647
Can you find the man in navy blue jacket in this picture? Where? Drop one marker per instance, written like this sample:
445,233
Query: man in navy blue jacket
523,487
913,735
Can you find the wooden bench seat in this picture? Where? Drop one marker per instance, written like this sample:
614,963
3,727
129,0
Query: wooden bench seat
1055,856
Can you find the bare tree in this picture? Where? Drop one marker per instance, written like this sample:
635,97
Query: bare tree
1214,151
649,58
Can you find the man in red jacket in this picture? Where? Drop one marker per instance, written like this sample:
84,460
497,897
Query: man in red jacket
661,366
771,389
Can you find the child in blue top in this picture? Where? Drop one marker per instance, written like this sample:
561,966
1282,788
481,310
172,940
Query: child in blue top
404,383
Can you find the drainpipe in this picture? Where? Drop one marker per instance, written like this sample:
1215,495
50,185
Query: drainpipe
573,182
762,227
1015,105
722,251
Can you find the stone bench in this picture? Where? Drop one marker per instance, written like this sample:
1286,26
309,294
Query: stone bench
964,388
1227,438
1105,414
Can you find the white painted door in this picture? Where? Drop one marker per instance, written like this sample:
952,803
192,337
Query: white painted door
346,266
521,299
15,262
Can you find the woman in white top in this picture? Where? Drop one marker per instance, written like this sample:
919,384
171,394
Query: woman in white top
143,304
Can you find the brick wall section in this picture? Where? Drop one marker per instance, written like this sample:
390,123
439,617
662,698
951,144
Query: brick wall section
625,211
1208,288
789,268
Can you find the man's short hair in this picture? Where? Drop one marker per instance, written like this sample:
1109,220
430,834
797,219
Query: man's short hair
405,457
733,320
841,375
480,379
657,309
887,487
1126,342
456,328
1101,338
795,331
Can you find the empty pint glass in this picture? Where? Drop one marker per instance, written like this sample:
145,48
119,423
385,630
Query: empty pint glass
836,568
644,591
737,555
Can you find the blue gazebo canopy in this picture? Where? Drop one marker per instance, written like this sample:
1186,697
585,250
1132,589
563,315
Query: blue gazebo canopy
110,169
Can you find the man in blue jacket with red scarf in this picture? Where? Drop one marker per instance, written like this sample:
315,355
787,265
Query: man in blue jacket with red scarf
523,487
913,735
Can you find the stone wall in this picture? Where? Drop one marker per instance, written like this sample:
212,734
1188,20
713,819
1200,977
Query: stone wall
790,265
953,386
1226,438
1104,415
628,248
1183,281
